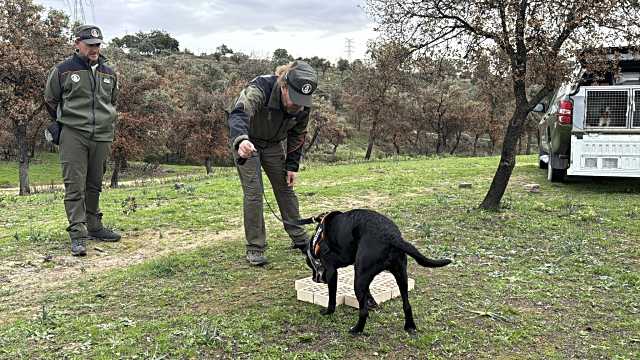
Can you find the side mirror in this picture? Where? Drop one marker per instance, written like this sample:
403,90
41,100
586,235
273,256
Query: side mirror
539,108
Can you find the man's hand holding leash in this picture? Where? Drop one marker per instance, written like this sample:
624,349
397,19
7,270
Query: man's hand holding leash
245,149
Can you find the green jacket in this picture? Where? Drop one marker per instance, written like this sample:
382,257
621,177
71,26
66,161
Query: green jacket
77,98
258,115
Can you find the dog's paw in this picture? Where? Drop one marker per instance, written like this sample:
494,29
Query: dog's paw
356,330
327,311
411,330
372,304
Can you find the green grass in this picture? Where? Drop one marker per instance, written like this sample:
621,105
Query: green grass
44,169
553,275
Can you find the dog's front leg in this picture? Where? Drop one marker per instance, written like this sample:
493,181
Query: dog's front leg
332,282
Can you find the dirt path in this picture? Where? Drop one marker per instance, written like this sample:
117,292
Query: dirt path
24,285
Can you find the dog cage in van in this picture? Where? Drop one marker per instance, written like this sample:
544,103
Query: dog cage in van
608,108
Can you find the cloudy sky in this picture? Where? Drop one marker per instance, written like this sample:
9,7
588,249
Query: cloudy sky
304,27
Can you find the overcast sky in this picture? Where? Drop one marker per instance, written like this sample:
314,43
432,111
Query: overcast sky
304,27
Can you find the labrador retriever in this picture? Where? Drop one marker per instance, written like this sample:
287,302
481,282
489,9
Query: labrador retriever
372,243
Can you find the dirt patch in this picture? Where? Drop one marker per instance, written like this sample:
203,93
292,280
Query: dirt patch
24,285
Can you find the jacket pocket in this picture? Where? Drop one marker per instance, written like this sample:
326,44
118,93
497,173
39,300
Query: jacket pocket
105,87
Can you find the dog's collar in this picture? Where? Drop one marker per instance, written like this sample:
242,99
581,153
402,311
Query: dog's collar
318,236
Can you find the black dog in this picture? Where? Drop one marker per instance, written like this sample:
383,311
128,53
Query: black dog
373,243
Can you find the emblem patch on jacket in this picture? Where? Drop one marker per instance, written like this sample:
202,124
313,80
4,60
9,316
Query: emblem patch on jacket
75,78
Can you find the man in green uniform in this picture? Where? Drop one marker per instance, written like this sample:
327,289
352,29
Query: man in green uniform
268,125
80,95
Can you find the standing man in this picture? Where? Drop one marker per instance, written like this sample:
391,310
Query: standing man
81,94
268,125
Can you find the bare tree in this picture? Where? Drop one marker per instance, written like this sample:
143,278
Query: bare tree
372,83
536,36
30,45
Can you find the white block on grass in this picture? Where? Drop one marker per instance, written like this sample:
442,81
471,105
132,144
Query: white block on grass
382,288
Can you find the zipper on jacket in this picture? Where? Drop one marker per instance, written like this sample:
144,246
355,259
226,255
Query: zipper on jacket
93,98
93,94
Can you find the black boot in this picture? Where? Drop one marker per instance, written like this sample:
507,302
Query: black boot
78,236
98,232
78,247
104,235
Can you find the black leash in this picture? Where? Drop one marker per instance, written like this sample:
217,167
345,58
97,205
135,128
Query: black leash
241,161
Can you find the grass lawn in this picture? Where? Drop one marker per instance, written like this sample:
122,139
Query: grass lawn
553,275
45,169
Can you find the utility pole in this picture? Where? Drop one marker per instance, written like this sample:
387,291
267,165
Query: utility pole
349,48
77,10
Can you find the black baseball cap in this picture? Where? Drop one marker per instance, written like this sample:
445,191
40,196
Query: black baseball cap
89,34
302,82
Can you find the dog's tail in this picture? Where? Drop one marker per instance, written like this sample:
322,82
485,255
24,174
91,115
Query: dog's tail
421,259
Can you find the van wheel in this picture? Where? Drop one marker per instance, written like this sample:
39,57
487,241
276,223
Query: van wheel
555,175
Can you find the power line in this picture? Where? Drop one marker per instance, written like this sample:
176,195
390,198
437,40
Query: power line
78,10
349,47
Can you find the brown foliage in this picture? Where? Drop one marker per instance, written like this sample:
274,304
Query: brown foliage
29,46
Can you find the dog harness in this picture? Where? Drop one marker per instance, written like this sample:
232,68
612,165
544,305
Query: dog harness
314,249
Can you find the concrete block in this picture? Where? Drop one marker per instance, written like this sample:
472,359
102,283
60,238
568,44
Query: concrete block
350,300
303,283
305,295
382,288
380,295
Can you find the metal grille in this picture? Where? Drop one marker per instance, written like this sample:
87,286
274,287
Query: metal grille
609,163
591,163
636,113
607,108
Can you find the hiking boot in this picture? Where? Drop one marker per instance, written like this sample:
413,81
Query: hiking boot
78,247
97,231
104,235
78,236
256,257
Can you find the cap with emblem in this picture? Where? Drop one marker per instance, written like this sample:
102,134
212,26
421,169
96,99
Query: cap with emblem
302,81
89,34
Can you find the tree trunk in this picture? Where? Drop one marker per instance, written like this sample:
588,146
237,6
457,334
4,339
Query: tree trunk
23,158
507,160
372,136
529,138
475,144
116,171
367,156
519,151
395,144
207,165
455,146
438,144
